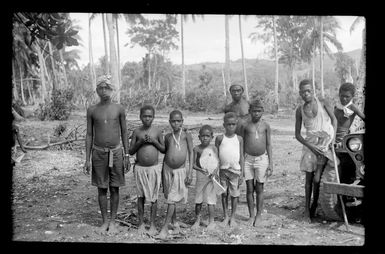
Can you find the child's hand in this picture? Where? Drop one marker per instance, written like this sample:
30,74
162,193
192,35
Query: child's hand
86,169
148,139
188,181
269,170
240,181
127,164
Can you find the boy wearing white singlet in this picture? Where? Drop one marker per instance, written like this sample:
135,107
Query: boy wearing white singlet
231,169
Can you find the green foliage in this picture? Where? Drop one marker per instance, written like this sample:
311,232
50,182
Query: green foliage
59,108
55,27
343,65
203,100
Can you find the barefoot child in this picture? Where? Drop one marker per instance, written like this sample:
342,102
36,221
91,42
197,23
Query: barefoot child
146,142
345,112
258,158
205,191
106,125
317,118
231,173
178,146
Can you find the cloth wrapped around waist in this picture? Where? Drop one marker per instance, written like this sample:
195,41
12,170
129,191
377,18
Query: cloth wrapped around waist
110,152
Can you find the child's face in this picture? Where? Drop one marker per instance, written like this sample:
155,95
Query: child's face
176,122
345,97
256,113
236,92
147,117
205,137
104,91
230,125
306,92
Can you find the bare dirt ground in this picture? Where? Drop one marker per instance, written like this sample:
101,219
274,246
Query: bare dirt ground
53,201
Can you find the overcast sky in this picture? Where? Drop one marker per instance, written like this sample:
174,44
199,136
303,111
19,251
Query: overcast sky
204,40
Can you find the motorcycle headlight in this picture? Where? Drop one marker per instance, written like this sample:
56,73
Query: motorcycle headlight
355,144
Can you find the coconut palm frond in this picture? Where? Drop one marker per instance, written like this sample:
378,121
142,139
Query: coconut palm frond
355,23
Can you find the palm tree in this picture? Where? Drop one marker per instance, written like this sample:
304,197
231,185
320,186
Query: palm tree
182,19
360,94
113,60
276,63
243,58
91,59
227,52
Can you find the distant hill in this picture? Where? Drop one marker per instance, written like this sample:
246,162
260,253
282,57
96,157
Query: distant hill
237,65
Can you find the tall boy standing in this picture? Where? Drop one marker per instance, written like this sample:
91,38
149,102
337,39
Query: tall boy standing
147,142
106,126
258,158
320,124
179,146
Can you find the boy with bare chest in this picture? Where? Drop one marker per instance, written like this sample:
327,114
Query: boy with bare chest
146,143
178,146
258,158
106,127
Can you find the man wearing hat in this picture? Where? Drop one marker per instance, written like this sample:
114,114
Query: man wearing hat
239,105
106,126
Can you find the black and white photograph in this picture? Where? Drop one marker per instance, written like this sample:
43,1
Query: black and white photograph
201,129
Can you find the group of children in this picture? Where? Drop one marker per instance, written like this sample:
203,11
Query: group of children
243,152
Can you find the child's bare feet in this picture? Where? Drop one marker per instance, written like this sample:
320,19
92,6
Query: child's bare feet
141,229
225,222
152,230
176,229
102,230
250,221
113,228
257,220
233,223
211,226
163,233
195,226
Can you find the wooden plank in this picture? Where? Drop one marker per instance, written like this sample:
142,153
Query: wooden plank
344,189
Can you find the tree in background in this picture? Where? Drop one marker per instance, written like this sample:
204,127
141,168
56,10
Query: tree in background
243,58
343,67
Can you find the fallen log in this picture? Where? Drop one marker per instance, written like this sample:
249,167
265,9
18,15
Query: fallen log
52,144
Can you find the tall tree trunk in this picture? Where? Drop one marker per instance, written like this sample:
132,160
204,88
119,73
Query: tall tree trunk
358,124
118,50
55,83
14,87
224,82
313,72
113,63
322,58
91,58
42,76
243,59
183,67
276,64
21,86
105,45
63,67
149,70
30,94
227,53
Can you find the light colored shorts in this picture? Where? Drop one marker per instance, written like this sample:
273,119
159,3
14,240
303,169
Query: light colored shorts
255,167
174,187
205,192
230,180
148,181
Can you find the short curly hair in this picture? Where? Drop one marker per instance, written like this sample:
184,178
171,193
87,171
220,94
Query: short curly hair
347,87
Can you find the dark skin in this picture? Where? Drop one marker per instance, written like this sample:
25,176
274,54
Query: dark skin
176,158
342,121
239,106
230,125
16,137
106,126
257,147
205,137
312,181
146,143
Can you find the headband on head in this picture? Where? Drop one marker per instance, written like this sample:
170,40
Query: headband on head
236,85
104,79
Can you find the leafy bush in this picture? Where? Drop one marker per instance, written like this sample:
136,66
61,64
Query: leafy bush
60,129
203,100
59,108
